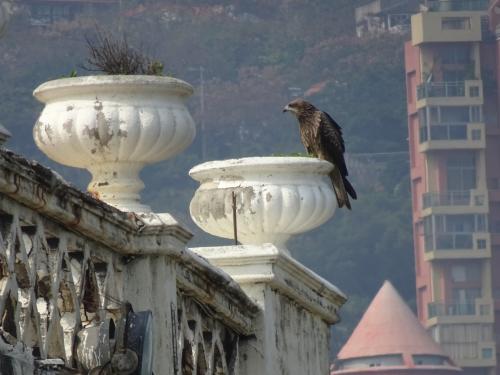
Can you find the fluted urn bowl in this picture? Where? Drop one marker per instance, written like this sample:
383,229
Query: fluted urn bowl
275,198
113,126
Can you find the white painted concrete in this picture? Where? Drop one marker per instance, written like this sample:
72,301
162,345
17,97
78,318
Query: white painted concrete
79,260
113,126
293,331
276,197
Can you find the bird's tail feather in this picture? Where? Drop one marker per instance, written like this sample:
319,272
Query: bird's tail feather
339,188
350,190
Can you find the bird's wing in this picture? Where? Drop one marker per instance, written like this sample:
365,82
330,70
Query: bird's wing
331,142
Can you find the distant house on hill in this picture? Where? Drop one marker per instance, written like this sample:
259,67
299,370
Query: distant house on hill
47,12
381,16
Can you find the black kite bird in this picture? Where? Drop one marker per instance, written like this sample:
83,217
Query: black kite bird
322,138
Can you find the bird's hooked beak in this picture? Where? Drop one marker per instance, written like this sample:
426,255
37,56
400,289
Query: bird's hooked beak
287,108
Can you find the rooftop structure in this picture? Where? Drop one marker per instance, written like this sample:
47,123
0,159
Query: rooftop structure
380,16
47,12
389,339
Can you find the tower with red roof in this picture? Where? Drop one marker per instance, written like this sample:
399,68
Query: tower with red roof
390,340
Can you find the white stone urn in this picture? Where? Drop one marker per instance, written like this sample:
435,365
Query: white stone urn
113,126
276,197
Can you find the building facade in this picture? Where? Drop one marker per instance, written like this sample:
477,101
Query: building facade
48,12
380,16
454,139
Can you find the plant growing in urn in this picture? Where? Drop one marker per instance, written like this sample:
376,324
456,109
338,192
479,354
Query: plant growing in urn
115,124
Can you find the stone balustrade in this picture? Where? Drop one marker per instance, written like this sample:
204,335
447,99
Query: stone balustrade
69,262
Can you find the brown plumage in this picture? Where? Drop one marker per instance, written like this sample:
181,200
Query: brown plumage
322,138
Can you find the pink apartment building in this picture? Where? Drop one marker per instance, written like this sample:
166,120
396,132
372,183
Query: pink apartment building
452,75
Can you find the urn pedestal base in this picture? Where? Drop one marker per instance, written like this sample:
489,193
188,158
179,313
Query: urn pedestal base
293,332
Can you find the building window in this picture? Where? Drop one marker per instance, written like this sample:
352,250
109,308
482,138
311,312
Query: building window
455,75
422,125
428,233
461,171
476,114
454,114
455,23
429,360
481,223
464,300
448,232
476,134
455,223
422,133
466,273
474,91
458,274
481,244
455,54
375,361
434,115
487,353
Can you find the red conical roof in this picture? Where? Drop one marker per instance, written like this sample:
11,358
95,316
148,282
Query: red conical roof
389,326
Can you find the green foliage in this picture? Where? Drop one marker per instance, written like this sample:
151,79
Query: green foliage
359,249
71,74
253,54
155,68
293,154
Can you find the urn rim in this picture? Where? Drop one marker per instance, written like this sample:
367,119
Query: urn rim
264,164
60,88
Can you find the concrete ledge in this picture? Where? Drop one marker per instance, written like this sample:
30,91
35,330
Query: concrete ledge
266,264
43,190
214,288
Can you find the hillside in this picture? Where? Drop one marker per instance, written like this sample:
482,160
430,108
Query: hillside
255,55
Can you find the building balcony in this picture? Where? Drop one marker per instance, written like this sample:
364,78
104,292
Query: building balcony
468,92
447,25
446,246
477,348
477,354
457,5
478,311
484,360
470,88
452,136
455,202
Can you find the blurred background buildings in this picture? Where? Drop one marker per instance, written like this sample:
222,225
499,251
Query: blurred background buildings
454,140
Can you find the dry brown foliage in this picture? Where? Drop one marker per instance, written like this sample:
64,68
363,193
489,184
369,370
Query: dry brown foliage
115,56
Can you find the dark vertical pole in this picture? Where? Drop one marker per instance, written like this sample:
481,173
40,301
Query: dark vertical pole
235,224
202,110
